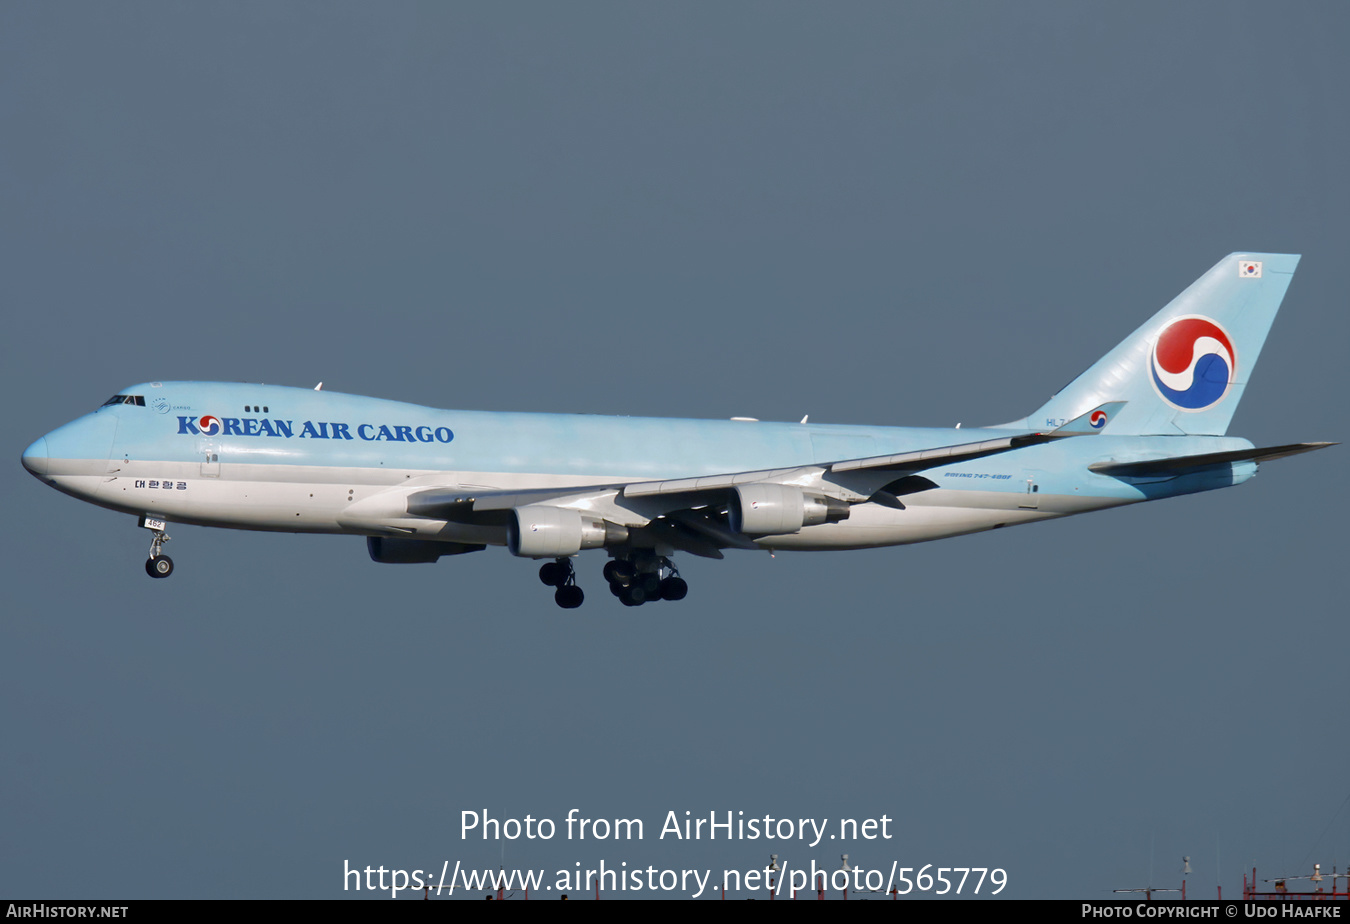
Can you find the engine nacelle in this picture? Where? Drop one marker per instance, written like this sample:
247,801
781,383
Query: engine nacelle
414,551
775,509
540,531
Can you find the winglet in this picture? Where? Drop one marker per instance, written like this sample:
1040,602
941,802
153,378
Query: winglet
1094,421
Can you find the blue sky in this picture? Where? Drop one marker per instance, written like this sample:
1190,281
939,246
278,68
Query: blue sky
909,214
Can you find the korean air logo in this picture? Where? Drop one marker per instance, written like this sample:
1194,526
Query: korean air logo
1097,420
1193,363
210,426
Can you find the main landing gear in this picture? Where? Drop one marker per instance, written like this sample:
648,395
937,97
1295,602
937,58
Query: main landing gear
636,579
645,578
562,575
157,565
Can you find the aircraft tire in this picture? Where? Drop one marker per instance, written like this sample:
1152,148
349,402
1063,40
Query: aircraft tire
569,597
619,572
161,566
552,573
651,586
673,588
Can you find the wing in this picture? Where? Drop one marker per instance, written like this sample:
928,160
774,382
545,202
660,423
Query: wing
851,480
694,514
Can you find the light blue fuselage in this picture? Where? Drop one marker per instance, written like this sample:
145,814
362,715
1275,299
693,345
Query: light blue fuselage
292,459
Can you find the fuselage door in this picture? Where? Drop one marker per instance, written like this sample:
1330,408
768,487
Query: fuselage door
209,452
1030,498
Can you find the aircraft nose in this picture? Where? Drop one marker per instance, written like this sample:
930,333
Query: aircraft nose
35,457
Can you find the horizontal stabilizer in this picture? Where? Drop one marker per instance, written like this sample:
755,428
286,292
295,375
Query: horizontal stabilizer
1180,464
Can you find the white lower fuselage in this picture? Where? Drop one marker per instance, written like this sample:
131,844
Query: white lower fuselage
272,471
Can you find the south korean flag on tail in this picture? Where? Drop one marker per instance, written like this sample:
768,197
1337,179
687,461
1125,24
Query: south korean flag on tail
1249,269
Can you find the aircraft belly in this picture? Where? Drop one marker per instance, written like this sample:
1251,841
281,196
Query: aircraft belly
242,505
341,499
84,487
872,526
931,515
300,499
292,498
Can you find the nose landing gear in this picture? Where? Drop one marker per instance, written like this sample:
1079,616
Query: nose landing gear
157,565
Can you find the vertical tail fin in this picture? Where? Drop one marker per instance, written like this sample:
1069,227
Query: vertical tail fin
1185,369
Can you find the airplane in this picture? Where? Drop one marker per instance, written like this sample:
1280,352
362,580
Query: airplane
1146,421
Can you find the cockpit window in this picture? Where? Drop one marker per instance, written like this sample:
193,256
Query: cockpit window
138,400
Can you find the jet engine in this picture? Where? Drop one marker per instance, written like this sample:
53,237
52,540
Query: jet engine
540,531
775,509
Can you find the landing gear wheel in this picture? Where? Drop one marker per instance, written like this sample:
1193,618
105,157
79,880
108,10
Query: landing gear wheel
554,573
569,596
560,574
674,588
638,576
157,565
618,571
